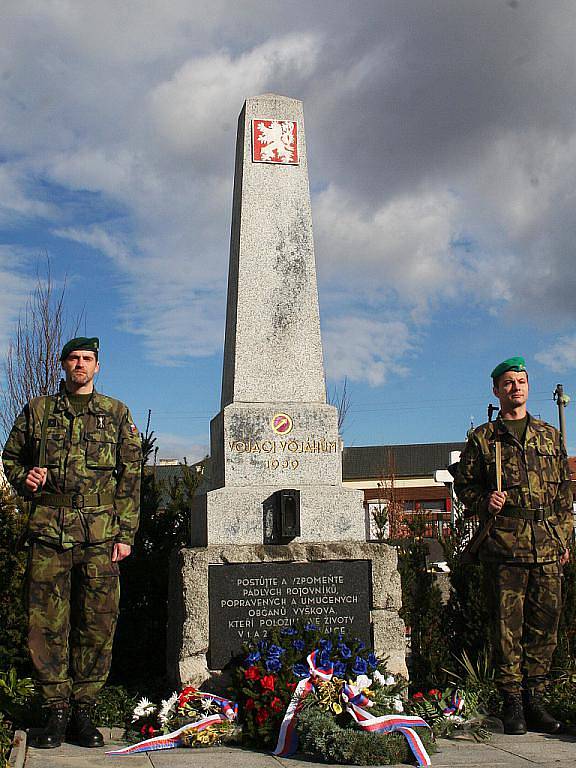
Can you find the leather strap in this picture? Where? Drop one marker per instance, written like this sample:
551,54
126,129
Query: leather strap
75,500
527,514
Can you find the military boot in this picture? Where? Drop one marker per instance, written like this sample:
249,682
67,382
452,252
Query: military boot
537,718
53,733
82,730
513,715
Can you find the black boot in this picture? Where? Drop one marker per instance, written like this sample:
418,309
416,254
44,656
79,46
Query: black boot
513,715
52,735
81,730
537,718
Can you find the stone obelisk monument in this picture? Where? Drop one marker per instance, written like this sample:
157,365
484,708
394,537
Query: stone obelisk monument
275,536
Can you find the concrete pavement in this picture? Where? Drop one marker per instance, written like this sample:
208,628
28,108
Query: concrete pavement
530,751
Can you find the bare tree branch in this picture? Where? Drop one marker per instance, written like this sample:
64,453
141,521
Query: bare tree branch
340,397
31,366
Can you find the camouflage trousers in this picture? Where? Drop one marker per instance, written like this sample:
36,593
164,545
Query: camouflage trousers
529,602
73,597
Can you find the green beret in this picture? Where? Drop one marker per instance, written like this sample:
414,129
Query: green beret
512,364
80,343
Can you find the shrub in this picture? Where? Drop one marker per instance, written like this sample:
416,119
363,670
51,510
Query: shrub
114,707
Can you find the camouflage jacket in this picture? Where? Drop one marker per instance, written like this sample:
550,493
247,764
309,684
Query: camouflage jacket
97,450
535,476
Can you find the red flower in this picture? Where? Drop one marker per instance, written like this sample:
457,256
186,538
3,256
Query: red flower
185,695
291,686
249,704
262,715
252,673
147,730
418,696
435,693
276,704
267,682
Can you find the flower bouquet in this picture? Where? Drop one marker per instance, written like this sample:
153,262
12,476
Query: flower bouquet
191,718
332,692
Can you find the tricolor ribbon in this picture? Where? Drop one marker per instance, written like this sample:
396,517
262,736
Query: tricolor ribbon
174,739
456,704
288,738
355,701
388,724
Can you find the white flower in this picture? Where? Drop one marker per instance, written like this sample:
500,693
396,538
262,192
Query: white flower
397,705
379,678
144,708
206,703
363,681
166,708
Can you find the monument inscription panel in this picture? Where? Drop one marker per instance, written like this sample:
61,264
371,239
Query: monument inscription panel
248,600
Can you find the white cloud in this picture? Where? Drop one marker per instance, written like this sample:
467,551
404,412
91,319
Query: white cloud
561,356
425,125
189,109
171,446
404,244
14,289
366,348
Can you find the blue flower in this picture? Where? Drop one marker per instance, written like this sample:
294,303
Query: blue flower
262,645
360,645
339,669
252,658
324,658
310,627
372,660
300,670
345,652
273,664
326,645
360,667
288,631
276,650
299,645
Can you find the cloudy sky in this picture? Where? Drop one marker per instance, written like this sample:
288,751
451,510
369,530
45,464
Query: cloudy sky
442,157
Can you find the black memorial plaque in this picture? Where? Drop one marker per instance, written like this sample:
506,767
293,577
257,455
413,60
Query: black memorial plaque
247,600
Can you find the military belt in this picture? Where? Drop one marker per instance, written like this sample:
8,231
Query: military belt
527,514
75,500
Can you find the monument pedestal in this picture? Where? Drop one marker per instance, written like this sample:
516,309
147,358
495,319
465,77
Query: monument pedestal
319,586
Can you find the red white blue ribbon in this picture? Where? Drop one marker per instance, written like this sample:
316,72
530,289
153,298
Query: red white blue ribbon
388,724
175,739
456,704
355,701
288,738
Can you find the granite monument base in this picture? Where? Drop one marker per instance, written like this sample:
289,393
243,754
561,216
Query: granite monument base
221,596
235,515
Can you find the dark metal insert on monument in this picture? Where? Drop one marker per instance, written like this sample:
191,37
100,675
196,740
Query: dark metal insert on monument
281,516
247,600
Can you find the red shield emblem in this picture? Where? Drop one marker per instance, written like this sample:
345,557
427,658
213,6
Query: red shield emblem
275,141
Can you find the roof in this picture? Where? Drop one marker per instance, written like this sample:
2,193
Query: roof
420,459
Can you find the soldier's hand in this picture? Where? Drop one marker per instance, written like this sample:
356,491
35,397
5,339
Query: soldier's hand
120,551
36,478
496,501
565,557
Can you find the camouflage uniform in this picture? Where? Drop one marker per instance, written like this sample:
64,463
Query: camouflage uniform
526,541
90,501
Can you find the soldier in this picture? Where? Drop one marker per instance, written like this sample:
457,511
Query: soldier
77,456
516,468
